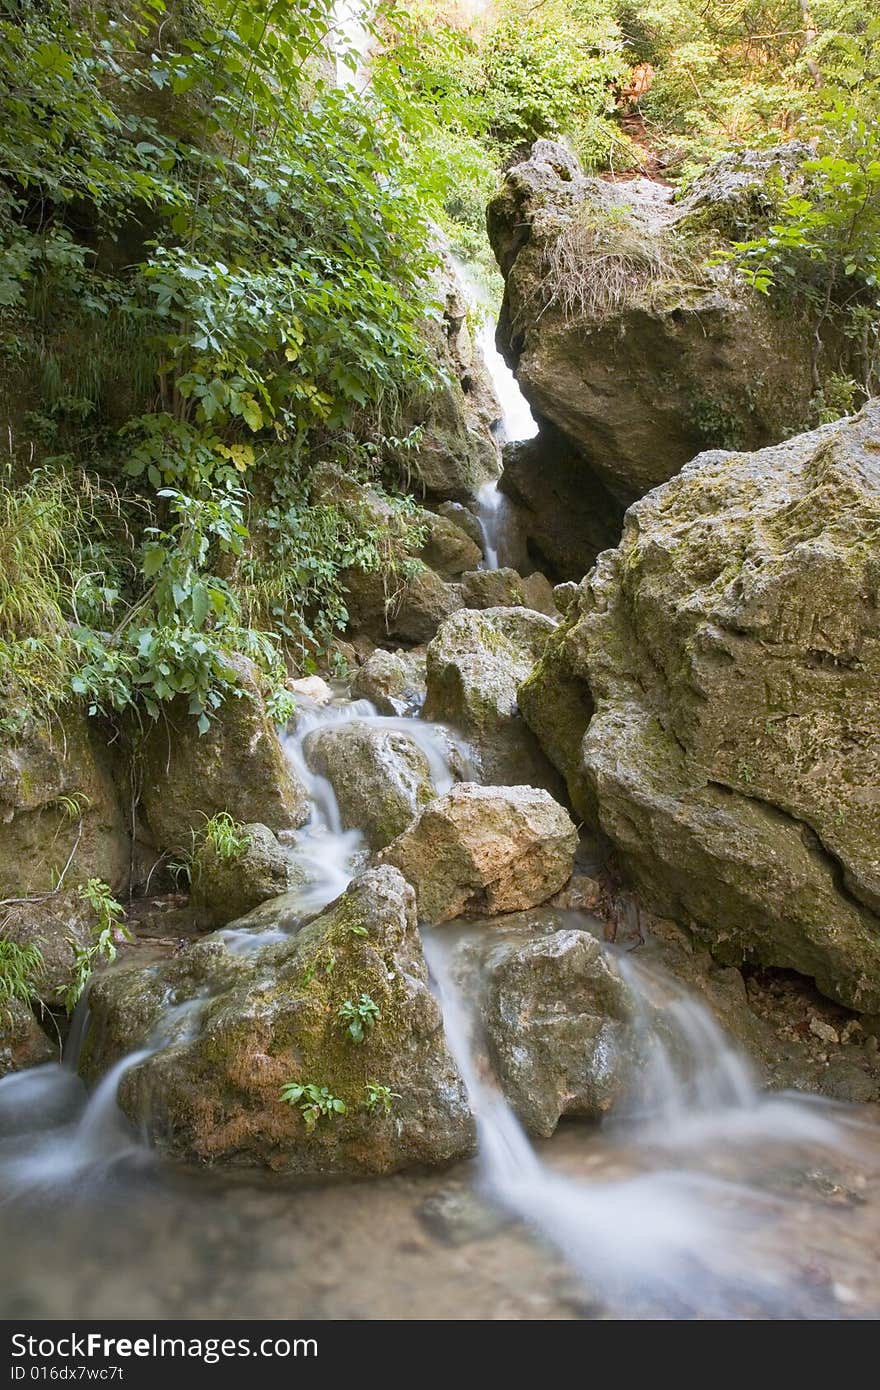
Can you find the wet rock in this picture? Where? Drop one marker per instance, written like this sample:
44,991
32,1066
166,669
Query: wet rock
506,588
238,766
278,1015
557,1020
225,887
456,1216
311,688
449,549
381,777
23,1043
712,698
474,667
59,803
485,850
637,379
393,681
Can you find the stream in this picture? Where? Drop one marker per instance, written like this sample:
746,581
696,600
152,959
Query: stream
702,1197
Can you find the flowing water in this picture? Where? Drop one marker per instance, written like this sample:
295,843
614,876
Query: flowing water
703,1197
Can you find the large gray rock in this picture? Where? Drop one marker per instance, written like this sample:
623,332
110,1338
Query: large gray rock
623,339
380,775
485,850
238,766
229,885
713,699
272,1016
449,549
475,665
393,681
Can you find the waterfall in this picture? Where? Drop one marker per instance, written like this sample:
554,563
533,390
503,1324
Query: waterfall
350,37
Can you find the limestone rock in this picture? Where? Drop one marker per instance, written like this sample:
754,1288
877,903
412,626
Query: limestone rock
58,801
475,665
380,775
393,681
713,699
225,888
238,766
23,1043
623,340
212,1094
485,850
449,549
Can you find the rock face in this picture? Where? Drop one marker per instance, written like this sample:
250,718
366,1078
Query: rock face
713,699
567,515
381,777
57,800
457,451
278,1015
237,766
625,342
475,665
224,888
485,850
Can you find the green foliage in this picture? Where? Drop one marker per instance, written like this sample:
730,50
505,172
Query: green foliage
379,1099
107,930
314,1103
824,246
208,259
20,970
359,1016
226,836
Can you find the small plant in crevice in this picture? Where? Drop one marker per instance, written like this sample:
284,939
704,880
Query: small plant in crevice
359,1016
379,1099
20,970
314,1102
226,836
108,929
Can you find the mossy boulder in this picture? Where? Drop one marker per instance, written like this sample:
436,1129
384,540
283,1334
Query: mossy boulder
58,925
380,775
59,802
475,665
277,1015
713,699
238,766
449,549
480,850
226,886
507,588
628,344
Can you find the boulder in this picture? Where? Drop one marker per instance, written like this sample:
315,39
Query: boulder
279,1015
409,607
449,549
505,588
713,699
238,766
625,340
485,850
227,886
392,681
23,1043
380,775
59,803
465,520
558,1023
475,665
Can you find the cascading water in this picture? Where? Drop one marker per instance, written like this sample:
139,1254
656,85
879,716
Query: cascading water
517,421
673,1237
